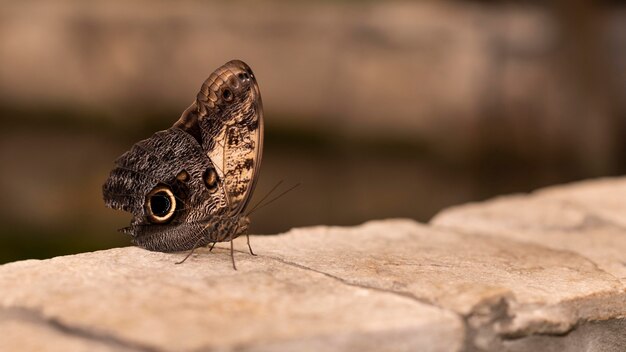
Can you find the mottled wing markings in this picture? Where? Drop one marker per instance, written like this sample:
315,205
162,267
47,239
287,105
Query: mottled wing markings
222,130
240,153
233,132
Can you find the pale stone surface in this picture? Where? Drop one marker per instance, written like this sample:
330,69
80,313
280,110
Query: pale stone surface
588,218
23,330
603,199
144,299
505,287
511,274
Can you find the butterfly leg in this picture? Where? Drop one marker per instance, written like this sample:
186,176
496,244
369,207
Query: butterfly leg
195,245
249,247
212,245
191,251
232,254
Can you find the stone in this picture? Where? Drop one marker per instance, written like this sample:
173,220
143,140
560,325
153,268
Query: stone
512,274
500,287
586,218
24,330
142,300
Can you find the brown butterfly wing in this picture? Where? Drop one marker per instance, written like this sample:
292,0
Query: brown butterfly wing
227,117
187,186
173,163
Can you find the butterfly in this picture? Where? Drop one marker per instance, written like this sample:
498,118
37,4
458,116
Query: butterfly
188,186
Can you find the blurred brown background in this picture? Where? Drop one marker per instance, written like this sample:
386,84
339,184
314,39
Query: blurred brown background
379,109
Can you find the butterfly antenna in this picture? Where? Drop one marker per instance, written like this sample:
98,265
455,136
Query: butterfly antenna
273,199
266,195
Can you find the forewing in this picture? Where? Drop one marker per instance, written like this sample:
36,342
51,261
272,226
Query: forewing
228,117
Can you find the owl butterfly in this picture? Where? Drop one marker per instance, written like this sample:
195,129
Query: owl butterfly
188,186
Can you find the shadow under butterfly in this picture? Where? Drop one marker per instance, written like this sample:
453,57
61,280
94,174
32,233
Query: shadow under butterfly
188,186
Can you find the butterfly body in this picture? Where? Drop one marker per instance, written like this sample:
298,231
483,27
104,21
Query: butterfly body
187,236
189,185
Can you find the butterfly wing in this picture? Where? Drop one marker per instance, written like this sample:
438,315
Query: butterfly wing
188,185
161,181
227,117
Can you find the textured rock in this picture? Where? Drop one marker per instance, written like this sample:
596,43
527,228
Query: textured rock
511,274
502,287
24,330
141,299
587,218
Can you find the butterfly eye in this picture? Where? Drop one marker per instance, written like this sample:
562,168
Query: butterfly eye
210,179
227,94
160,205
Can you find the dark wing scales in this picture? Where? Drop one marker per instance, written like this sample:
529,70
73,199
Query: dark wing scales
220,133
158,160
